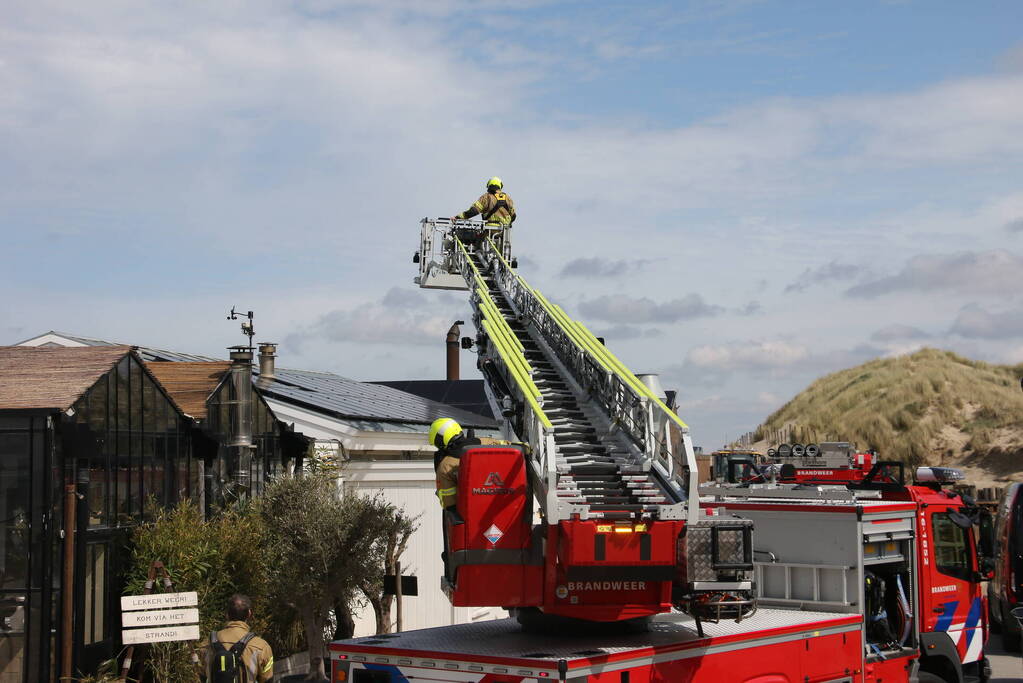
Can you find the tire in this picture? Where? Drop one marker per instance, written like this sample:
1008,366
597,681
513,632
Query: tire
1010,631
928,677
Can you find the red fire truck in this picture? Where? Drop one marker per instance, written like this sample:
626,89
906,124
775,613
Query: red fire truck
904,556
618,537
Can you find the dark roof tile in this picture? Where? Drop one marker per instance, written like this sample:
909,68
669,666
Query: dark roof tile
347,398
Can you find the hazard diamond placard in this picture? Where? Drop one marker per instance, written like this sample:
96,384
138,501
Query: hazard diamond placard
493,534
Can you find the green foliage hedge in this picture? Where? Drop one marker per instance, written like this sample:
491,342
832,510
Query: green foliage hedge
214,558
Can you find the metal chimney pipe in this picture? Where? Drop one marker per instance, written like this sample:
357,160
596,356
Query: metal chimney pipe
452,347
267,360
241,446
241,382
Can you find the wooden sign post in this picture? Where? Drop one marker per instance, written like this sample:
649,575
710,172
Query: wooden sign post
163,617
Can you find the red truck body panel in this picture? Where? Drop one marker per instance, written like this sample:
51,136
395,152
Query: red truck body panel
771,646
492,540
595,569
951,600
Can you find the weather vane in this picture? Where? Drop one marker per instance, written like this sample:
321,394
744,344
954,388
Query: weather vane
247,328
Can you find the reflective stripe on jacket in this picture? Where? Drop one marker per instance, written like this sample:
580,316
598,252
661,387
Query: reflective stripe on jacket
257,659
447,481
446,466
485,206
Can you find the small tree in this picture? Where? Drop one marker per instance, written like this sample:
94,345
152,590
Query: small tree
321,549
393,529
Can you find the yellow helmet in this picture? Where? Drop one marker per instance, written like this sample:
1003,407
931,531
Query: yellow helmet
495,182
443,430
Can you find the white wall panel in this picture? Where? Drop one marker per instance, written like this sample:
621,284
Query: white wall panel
410,484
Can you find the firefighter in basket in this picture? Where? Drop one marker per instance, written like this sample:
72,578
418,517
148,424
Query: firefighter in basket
497,210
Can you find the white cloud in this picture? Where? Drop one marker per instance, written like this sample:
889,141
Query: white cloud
993,272
620,308
1015,356
823,275
294,147
601,268
626,332
753,355
975,322
898,332
401,317
956,121
750,308
704,403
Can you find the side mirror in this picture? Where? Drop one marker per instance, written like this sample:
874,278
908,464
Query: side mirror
960,520
985,535
987,568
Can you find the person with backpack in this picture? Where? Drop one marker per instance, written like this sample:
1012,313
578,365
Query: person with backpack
236,654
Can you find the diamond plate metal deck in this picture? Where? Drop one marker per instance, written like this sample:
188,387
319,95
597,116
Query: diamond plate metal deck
505,639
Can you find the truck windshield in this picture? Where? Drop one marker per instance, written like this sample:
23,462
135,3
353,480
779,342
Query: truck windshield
951,550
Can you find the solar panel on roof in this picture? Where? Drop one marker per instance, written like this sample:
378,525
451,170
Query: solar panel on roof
345,397
467,394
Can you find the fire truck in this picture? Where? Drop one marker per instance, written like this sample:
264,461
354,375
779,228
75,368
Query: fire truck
588,516
839,530
587,526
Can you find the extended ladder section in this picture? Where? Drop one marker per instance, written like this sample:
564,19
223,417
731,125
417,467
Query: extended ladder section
600,440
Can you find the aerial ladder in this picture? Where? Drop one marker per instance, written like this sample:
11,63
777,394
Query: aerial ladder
620,534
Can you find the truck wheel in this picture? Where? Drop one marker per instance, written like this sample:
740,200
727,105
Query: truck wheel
928,677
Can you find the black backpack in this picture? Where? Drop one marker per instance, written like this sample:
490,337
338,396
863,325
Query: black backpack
226,665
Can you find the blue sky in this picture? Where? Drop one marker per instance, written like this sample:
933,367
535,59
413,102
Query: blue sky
739,195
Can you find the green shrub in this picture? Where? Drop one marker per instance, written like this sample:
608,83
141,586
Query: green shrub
214,558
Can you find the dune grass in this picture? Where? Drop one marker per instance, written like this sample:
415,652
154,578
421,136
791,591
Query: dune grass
900,405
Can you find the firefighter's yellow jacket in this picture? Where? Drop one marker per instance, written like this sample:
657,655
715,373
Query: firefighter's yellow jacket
496,208
257,659
446,463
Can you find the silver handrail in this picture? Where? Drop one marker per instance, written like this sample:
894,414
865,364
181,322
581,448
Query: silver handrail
630,407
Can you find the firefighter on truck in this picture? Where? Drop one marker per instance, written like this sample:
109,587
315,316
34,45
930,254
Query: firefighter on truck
446,435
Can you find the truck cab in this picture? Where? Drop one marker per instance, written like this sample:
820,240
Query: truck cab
945,570
735,466
953,607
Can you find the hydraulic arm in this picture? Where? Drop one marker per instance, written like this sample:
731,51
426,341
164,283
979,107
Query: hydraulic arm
599,446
